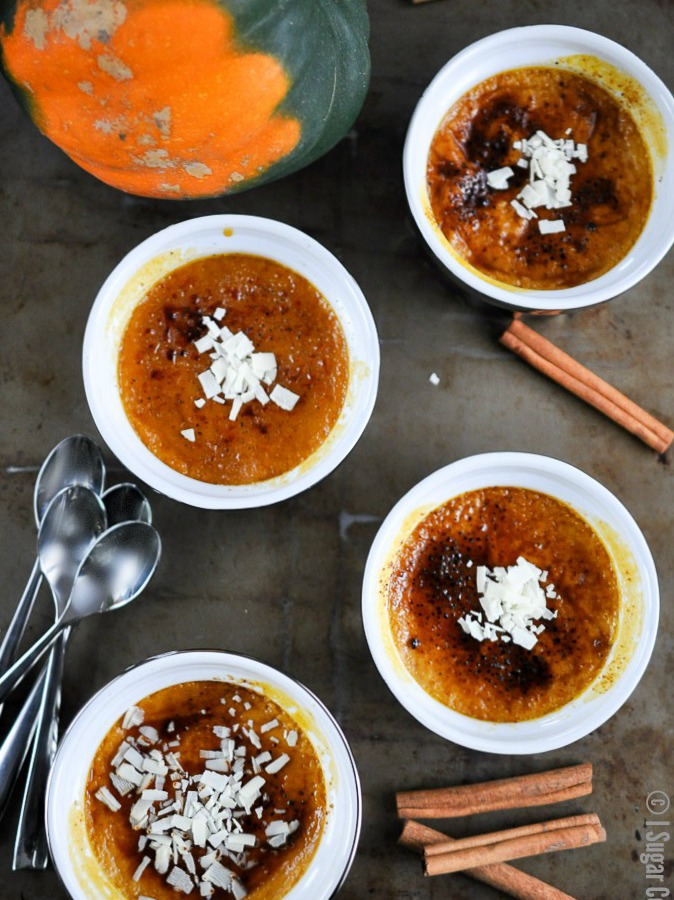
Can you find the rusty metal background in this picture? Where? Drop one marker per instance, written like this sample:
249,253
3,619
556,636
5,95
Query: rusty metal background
283,583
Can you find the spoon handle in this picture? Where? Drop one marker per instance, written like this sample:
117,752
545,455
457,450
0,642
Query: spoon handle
15,746
30,847
17,626
11,678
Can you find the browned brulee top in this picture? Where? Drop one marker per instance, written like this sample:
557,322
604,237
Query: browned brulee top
611,192
194,708
432,585
281,313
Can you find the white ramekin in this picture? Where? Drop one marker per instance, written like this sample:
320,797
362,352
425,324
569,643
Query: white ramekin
175,246
568,47
636,576
68,844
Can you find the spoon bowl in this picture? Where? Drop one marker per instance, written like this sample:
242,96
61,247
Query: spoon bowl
76,460
115,570
126,503
72,522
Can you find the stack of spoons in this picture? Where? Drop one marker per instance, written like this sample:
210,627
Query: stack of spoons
97,550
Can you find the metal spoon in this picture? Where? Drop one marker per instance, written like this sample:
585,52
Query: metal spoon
72,522
17,740
67,528
76,460
126,503
115,570
123,503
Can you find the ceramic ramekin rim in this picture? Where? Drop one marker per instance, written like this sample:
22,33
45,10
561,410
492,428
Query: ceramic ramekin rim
429,112
573,721
266,673
348,302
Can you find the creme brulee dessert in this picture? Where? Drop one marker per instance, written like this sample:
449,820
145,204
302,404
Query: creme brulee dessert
503,604
233,369
205,788
540,178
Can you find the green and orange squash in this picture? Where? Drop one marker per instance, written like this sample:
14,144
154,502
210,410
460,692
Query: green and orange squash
188,98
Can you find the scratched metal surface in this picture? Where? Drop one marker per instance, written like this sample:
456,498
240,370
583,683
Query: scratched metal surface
283,583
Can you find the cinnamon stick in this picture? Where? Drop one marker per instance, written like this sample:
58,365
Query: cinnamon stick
531,841
566,371
494,837
552,786
501,876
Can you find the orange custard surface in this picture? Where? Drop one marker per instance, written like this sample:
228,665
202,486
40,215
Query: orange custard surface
281,313
432,583
611,193
184,718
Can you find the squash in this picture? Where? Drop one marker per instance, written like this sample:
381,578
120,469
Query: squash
188,98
